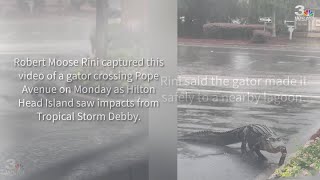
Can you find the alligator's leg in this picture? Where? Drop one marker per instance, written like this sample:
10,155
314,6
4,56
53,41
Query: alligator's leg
244,141
260,155
283,156
244,147
251,150
256,149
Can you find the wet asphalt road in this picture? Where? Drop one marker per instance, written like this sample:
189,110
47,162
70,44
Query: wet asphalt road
291,111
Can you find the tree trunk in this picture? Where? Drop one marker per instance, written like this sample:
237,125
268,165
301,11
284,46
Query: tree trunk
101,27
249,12
274,21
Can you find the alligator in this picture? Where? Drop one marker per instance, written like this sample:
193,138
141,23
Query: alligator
257,137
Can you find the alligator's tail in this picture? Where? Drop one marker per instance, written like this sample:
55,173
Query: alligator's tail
216,138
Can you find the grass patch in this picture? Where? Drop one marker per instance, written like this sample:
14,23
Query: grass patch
306,162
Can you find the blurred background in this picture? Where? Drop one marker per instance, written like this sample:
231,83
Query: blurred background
68,29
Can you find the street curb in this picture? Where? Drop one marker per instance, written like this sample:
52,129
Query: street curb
235,43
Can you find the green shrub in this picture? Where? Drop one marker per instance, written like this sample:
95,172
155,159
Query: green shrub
306,162
231,31
260,36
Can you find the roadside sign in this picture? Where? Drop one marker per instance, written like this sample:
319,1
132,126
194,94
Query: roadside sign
290,23
265,19
290,29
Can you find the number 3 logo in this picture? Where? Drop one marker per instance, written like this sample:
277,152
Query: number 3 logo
300,10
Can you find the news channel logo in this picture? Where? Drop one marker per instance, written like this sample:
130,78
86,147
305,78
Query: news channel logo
303,14
11,167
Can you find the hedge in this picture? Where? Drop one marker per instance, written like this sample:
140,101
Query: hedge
231,31
260,36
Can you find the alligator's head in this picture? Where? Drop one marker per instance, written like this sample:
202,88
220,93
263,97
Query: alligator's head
274,144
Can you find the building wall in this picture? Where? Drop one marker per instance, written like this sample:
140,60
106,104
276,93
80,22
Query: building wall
314,24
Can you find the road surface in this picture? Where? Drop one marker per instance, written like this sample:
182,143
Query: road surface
291,110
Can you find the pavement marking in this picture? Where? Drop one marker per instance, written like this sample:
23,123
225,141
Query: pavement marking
246,92
318,57
253,77
248,48
242,53
261,54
